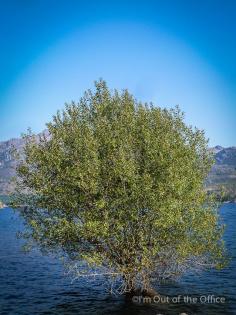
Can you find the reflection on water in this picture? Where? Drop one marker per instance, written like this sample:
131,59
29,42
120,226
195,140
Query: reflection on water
36,284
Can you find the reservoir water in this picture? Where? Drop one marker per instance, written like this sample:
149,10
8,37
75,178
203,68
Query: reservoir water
36,284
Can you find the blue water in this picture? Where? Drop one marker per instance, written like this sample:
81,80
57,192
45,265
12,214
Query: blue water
37,284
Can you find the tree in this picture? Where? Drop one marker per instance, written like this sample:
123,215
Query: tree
117,189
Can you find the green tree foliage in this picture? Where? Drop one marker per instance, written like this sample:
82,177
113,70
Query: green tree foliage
118,187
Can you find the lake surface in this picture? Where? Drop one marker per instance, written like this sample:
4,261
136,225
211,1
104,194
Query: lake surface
36,284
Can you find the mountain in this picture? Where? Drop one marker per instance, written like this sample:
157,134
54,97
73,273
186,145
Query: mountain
222,173
8,163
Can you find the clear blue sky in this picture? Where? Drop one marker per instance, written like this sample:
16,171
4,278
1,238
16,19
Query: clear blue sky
169,52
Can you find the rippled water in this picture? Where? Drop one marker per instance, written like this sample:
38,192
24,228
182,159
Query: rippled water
36,284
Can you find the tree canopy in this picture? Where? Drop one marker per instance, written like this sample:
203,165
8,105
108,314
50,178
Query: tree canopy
116,187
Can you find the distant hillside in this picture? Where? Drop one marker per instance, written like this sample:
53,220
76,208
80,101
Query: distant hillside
8,163
222,173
